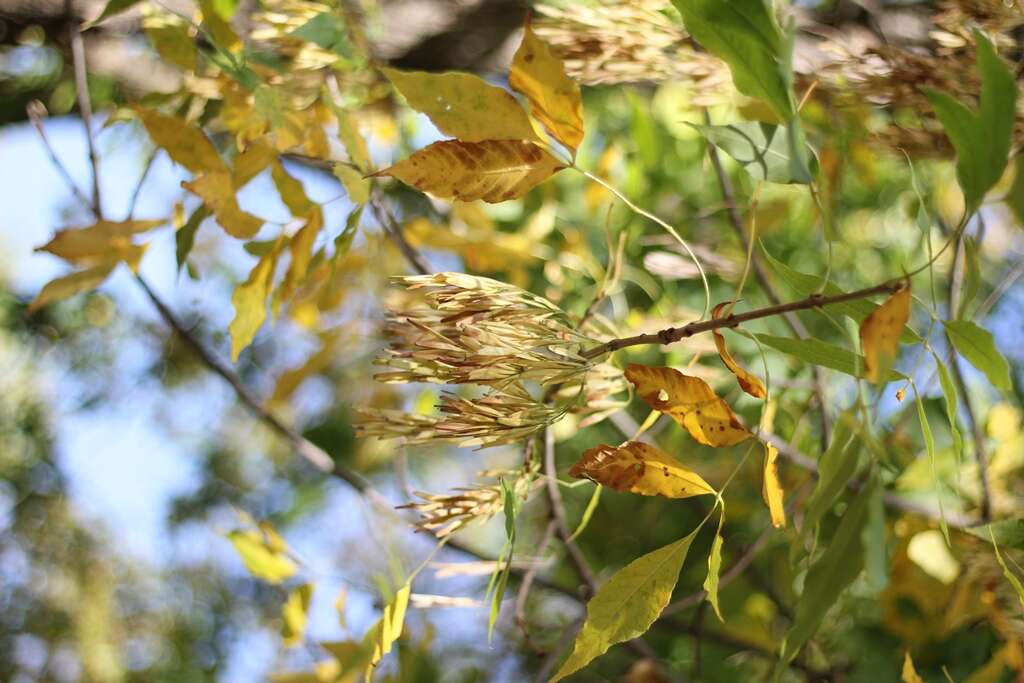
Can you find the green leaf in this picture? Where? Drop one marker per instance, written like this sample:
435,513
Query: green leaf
876,557
1015,197
113,8
820,353
343,242
185,237
950,395
835,470
595,498
261,559
327,30
976,345
981,140
762,149
714,570
747,36
929,444
626,606
293,614
1008,533
972,278
357,187
1010,576
827,578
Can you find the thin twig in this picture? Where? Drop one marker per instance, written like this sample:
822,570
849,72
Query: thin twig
527,584
576,556
84,101
674,334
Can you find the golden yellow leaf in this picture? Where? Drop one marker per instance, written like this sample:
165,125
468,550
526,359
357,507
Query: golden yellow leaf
218,193
771,489
293,614
909,674
263,556
251,162
387,630
464,106
301,249
293,194
880,334
69,285
640,468
102,242
690,402
554,97
250,301
494,170
748,381
357,187
186,144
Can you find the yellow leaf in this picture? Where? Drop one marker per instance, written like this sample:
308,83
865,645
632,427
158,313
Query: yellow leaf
909,674
250,163
464,106
293,194
219,29
263,561
250,301
357,187
690,402
626,606
69,285
640,468
494,170
105,242
301,249
290,380
880,334
293,614
748,381
714,569
771,489
386,631
554,97
218,193
339,606
352,139
186,144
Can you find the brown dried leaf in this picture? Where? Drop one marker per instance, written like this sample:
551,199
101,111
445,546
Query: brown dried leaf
637,467
492,170
690,402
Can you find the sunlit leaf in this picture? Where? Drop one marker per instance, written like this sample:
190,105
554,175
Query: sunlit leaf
186,144
555,98
977,345
690,402
293,615
464,106
218,193
982,139
762,149
714,570
817,352
256,158
493,170
1010,576
929,550
637,467
829,576
351,138
627,605
748,381
293,194
250,302
357,187
102,242
261,557
382,635
880,334
771,490
301,250
909,673
69,285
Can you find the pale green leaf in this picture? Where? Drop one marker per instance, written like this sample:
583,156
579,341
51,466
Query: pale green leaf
714,569
1010,576
293,615
357,187
762,149
626,606
950,394
817,352
1008,533
972,277
929,445
977,345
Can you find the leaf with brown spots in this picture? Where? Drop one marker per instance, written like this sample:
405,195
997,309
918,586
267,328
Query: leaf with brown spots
554,97
690,402
636,467
880,334
771,490
492,170
749,382
464,106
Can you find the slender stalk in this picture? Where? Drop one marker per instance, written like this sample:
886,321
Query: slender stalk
674,334
84,101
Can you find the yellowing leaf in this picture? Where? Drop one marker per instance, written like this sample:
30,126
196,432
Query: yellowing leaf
69,285
771,490
638,467
186,144
261,559
250,301
554,97
293,614
218,193
714,569
909,674
749,382
96,243
357,187
384,633
251,162
493,170
690,402
880,334
293,194
301,248
464,106
626,606
352,139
